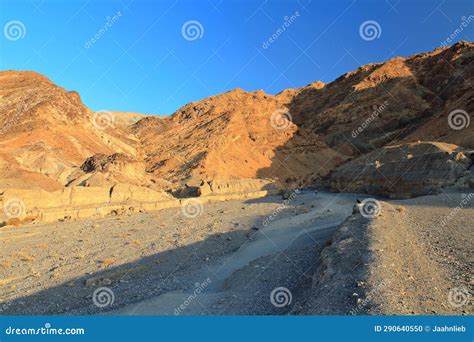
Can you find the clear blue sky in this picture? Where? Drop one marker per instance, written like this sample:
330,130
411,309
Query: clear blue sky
143,63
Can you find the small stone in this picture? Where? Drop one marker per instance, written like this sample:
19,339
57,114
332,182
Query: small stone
106,281
91,282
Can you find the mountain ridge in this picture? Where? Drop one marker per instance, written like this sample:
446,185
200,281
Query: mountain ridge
296,137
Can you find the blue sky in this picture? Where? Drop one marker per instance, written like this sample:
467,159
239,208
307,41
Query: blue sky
142,62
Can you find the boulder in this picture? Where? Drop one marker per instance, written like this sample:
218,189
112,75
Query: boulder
406,170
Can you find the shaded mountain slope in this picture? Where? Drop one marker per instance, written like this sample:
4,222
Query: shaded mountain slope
401,100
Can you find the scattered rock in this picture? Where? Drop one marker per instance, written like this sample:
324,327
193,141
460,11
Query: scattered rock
97,281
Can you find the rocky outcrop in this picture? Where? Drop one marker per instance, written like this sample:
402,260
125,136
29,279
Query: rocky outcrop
103,163
107,170
221,187
80,202
337,286
405,170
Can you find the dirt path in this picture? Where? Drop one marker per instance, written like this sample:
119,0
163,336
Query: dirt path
415,258
424,257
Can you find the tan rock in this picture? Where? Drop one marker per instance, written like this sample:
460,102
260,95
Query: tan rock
431,167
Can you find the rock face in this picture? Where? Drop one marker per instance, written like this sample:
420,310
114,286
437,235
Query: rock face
405,170
343,265
104,163
79,202
47,132
241,134
107,170
234,135
401,100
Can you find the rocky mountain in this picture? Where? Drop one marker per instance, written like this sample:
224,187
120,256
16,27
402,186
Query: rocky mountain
237,134
47,133
401,100
311,135
299,135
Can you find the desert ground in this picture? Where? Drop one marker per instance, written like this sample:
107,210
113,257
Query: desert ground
154,262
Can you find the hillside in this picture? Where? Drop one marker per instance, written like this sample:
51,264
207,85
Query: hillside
401,100
245,134
295,138
47,132
237,134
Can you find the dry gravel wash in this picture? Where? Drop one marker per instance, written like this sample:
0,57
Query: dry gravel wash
55,268
423,253
404,262
407,261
